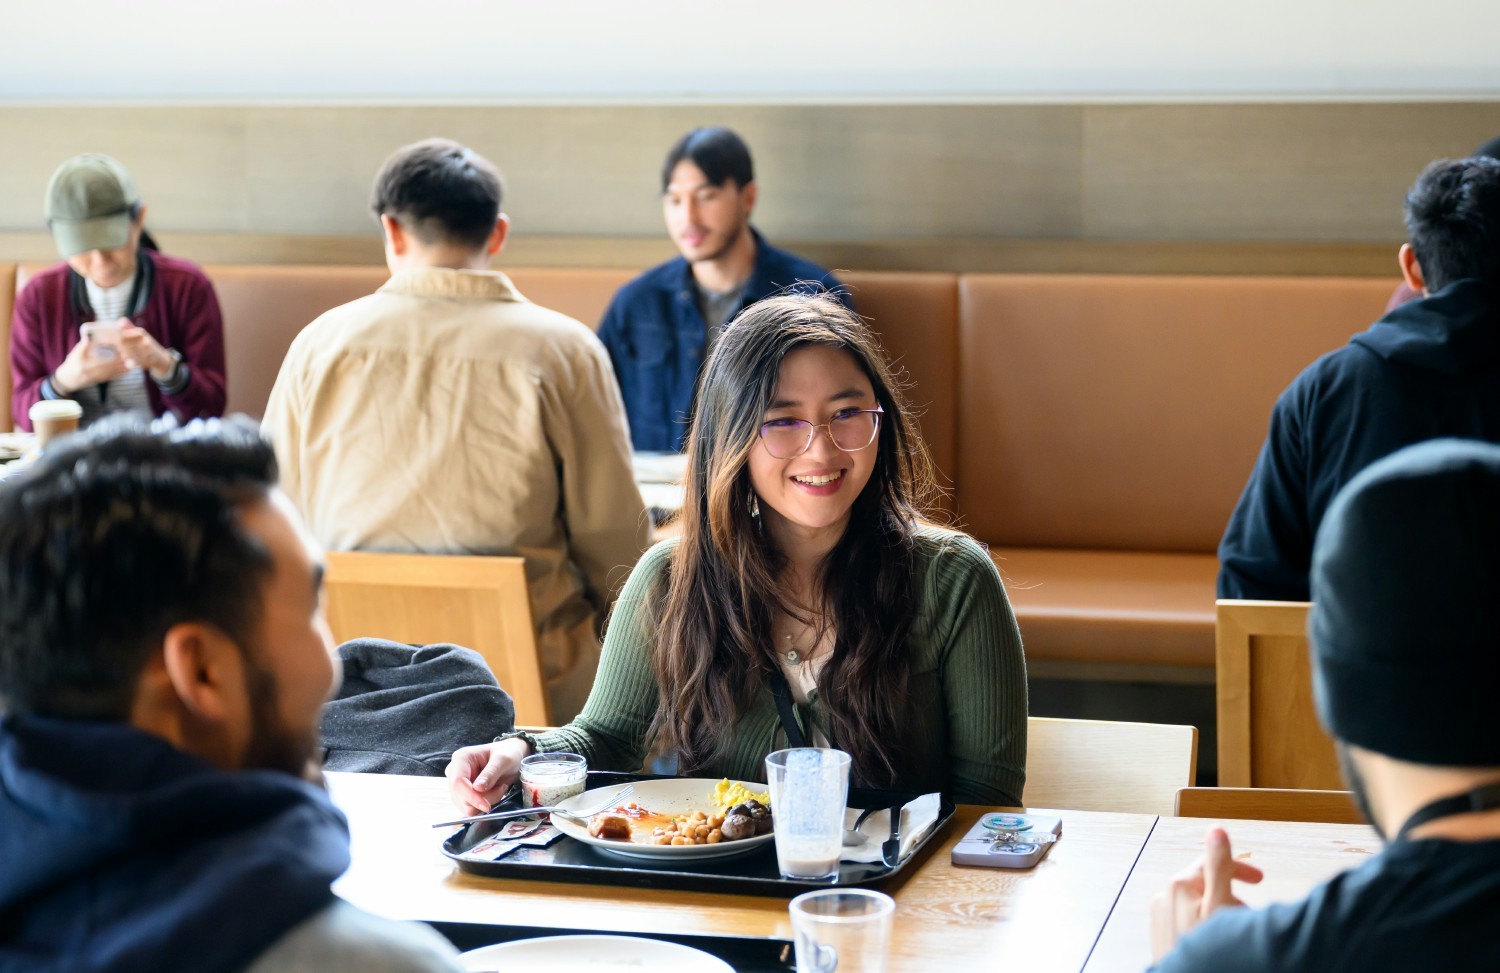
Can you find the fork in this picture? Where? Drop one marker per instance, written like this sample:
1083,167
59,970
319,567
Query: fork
553,809
852,836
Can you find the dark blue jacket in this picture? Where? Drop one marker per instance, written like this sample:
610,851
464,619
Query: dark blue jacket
120,852
1428,369
656,334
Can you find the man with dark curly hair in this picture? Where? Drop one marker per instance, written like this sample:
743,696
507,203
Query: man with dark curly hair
162,672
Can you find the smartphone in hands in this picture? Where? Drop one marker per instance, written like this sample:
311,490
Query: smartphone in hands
103,338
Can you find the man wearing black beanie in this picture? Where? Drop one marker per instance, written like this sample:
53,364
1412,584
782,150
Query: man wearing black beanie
1404,632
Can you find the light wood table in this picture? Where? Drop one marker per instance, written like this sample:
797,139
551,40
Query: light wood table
1039,920
1295,857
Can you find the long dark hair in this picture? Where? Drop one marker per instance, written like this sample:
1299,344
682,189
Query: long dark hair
722,589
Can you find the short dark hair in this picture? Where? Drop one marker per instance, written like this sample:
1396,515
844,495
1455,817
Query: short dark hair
1453,221
1489,150
117,534
720,153
441,191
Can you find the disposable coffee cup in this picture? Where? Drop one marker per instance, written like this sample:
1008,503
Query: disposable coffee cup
51,418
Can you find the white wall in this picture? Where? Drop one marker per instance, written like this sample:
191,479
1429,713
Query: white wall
771,51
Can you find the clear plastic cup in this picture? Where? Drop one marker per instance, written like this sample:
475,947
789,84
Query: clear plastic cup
809,787
844,929
548,778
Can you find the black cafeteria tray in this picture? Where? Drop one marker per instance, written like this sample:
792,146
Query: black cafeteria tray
754,873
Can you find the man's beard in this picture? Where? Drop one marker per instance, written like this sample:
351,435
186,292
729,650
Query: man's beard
273,746
1356,782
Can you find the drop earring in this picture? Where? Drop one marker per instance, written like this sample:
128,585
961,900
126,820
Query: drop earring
754,506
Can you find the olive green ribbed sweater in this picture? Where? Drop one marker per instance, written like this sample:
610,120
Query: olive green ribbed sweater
968,699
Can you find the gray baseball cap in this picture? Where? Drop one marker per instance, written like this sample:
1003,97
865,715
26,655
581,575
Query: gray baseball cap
89,202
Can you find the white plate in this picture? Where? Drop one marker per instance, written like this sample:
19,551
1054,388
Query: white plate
659,467
671,796
593,954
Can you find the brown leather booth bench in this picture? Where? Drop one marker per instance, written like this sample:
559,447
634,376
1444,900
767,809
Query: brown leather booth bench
1096,430
1106,426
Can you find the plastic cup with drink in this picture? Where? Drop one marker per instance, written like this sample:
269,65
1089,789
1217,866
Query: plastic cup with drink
809,787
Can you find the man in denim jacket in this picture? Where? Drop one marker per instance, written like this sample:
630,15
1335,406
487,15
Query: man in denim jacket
661,326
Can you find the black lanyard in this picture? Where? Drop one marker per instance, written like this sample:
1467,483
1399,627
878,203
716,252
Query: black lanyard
1485,798
783,694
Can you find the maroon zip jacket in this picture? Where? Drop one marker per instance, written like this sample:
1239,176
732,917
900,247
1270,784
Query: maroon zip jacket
180,311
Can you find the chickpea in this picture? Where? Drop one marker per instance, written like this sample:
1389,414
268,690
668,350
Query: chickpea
679,841
715,836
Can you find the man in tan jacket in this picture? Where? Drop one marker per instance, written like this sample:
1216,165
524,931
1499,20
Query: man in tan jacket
447,414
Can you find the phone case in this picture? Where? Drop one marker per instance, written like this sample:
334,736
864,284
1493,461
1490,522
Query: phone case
1000,840
104,339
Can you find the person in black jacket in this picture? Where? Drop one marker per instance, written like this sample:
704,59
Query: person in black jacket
1429,368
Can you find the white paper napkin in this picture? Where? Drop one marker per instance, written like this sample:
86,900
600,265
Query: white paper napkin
917,818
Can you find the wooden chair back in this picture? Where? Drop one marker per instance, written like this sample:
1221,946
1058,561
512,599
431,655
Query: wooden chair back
480,603
1268,804
1269,735
1094,765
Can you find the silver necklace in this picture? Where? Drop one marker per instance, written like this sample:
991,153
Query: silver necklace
792,655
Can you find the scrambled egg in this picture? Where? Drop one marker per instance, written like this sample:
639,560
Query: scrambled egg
726,794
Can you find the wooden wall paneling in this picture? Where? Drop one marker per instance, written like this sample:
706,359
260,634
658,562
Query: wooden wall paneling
854,174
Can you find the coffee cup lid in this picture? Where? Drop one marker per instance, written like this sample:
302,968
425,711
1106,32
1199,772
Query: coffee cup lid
56,409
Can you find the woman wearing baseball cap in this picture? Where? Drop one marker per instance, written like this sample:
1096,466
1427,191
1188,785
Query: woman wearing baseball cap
119,327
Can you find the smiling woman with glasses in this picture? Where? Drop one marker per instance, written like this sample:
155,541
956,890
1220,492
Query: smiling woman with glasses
806,602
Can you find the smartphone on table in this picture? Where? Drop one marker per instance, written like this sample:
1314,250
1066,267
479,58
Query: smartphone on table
1007,840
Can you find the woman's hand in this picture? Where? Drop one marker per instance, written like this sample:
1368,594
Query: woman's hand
479,776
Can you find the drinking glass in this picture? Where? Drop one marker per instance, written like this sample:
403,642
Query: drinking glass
809,787
847,929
